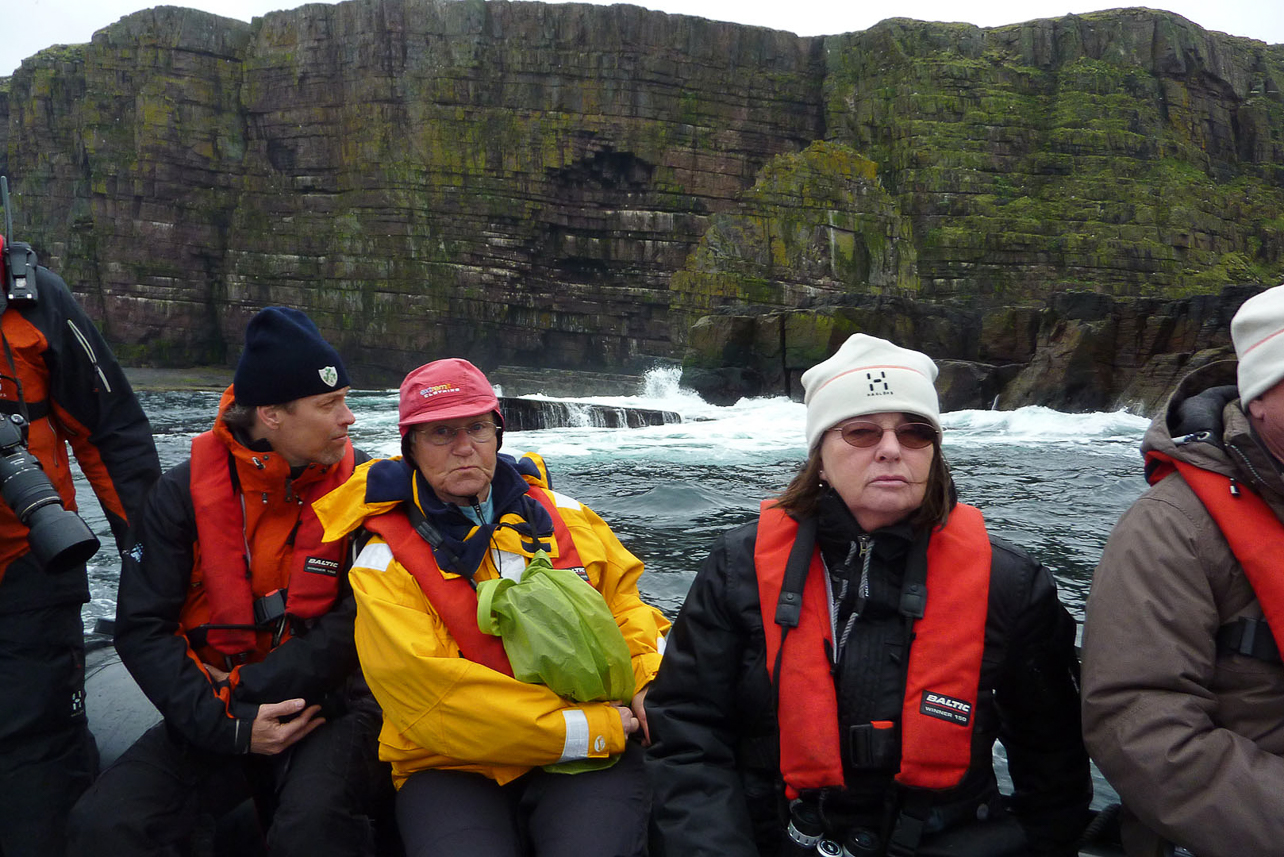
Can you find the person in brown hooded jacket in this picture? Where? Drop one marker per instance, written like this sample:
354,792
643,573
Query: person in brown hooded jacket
1183,687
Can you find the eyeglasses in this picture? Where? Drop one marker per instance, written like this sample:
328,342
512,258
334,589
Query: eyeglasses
863,435
481,431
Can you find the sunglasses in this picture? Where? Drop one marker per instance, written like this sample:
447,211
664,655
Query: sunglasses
863,435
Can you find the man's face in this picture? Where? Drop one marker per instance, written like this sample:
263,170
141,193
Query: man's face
1267,415
458,465
311,430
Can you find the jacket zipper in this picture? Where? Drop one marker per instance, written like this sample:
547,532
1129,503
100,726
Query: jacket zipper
89,352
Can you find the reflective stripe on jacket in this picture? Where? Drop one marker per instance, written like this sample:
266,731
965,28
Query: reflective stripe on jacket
944,663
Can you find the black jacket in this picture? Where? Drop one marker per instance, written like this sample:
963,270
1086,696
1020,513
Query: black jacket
72,383
714,763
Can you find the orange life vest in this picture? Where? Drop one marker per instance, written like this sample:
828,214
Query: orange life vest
944,669
453,598
223,561
1254,533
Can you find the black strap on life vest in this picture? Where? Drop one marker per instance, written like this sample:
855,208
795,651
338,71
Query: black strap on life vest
1251,637
789,607
34,410
911,821
446,558
915,806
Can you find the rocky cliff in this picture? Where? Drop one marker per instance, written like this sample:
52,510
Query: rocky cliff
494,180
1078,351
575,186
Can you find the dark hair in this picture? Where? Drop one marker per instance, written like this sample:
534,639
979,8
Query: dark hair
801,496
239,416
242,417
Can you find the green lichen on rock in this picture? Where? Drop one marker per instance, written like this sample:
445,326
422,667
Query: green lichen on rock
1128,152
572,185
817,223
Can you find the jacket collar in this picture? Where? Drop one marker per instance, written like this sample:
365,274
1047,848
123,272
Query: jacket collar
1204,424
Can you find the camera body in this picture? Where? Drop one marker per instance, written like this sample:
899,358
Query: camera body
59,539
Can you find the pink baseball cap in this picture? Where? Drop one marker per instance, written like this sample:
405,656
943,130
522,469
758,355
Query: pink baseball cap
444,390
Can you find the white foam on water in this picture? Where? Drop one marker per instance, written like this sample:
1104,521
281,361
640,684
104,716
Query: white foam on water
1036,425
773,428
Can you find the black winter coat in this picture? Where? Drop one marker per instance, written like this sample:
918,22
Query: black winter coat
714,763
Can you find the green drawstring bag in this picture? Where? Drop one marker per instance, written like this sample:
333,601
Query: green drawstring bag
558,631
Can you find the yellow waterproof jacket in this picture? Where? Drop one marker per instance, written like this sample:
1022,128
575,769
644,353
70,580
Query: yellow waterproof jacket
444,711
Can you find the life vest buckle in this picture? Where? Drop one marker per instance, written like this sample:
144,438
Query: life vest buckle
874,746
269,608
1249,637
911,823
914,600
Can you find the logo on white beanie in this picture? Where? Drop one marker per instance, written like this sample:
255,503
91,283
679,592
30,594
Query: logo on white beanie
868,375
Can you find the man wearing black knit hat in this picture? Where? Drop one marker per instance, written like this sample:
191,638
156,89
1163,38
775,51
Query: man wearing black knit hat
236,621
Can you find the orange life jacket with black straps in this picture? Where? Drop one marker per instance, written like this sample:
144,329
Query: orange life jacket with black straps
231,581
453,598
1254,533
944,665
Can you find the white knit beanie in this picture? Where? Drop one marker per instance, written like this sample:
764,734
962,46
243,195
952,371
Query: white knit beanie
1256,330
869,375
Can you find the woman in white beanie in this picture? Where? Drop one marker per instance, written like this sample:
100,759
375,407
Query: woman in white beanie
843,665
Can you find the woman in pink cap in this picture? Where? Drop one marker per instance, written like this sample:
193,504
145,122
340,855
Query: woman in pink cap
468,742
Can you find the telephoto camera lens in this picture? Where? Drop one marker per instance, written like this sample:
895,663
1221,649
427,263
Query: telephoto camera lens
59,539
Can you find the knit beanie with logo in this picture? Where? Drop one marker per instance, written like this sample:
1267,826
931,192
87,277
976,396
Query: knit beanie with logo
285,359
868,375
1256,331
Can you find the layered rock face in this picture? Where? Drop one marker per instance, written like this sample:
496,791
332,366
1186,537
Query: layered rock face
1080,351
1127,151
501,181
575,186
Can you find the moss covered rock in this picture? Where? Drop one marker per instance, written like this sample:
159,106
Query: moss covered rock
573,186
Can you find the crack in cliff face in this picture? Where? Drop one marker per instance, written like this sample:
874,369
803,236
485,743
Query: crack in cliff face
573,186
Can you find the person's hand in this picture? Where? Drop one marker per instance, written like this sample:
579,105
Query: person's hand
639,711
626,717
279,725
217,674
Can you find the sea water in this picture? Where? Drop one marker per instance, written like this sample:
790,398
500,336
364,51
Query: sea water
1053,483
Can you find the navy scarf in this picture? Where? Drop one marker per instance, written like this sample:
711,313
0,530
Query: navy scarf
463,544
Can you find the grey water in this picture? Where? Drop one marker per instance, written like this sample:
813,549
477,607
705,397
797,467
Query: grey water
1051,482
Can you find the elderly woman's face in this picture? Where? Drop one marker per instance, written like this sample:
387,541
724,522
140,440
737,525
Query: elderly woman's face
883,483
457,456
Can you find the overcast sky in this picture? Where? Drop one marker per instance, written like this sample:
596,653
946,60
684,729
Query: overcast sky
33,25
